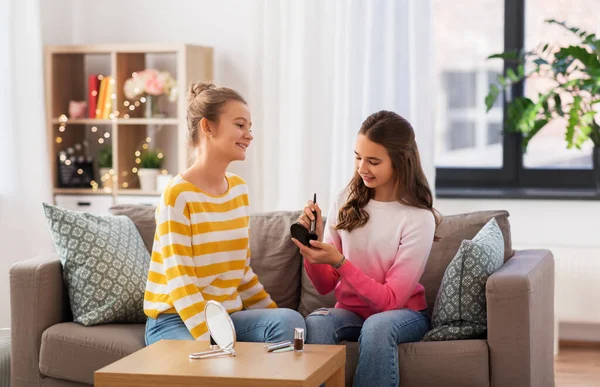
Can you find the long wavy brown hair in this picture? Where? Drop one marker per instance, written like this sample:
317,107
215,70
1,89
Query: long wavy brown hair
396,134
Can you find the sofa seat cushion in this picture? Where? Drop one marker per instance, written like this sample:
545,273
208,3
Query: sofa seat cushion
444,363
74,352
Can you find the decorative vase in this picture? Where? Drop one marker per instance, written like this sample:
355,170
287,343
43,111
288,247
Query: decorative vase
152,109
105,177
147,178
596,165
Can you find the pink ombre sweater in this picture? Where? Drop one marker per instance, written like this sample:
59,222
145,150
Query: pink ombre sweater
385,259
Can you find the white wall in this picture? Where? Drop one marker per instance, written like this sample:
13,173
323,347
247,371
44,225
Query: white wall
570,230
57,21
225,25
72,21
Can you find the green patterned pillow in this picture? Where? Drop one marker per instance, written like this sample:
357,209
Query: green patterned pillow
460,307
105,265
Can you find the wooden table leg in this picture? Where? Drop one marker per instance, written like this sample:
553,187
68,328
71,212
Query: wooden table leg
338,379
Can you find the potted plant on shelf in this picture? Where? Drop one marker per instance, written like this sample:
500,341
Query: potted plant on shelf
150,162
147,86
105,164
574,74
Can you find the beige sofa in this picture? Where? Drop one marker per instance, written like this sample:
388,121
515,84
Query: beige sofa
49,350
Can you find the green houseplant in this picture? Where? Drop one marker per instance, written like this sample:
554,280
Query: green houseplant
574,72
104,161
151,161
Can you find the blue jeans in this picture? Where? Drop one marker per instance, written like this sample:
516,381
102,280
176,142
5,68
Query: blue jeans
378,337
255,325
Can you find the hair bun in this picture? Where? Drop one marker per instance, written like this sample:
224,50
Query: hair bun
198,87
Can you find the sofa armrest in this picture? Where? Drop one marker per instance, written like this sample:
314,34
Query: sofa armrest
520,317
38,300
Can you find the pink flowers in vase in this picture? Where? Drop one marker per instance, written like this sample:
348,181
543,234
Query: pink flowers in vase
151,82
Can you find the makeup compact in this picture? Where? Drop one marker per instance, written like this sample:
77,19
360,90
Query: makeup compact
300,232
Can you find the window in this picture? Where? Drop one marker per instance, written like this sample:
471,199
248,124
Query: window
466,134
471,150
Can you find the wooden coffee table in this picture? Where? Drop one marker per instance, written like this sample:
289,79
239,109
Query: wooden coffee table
166,363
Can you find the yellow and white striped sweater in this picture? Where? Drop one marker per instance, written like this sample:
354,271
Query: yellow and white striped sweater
201,252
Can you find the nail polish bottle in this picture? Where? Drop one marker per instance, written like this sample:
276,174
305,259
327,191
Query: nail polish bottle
298,339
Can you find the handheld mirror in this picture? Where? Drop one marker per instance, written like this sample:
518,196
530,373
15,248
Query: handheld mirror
220,328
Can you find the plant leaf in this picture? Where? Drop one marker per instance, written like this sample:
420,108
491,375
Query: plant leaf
573,121
529,123
592,42
545,106
491,97
502,81
570,84
512,75
585,129
511,55
587,118
560,66
577,31
514,113
589,59
537,126
558,105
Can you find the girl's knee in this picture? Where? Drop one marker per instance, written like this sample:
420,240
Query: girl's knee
317,317
376,324
376,330
291,318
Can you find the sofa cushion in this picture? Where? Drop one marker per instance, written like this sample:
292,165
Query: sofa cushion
453,230
105,265
444,363
74,352
462,363
142,215
274,257
460,307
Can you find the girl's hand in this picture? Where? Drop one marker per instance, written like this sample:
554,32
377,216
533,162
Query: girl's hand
307,216
319,252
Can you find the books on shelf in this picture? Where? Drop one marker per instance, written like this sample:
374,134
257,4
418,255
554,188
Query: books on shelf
93,89
101,89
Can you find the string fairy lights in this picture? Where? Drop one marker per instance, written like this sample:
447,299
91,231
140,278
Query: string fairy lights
110,180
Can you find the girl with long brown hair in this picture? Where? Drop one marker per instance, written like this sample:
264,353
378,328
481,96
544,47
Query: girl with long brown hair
379,233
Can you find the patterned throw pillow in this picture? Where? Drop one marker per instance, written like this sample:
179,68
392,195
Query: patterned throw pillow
105,265
460,307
